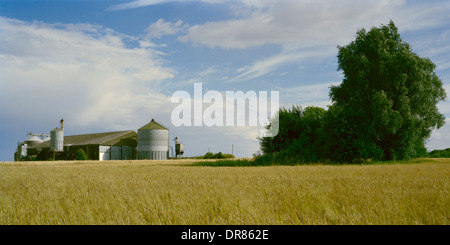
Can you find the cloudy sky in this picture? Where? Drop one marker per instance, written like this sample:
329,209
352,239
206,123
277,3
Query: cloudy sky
114,65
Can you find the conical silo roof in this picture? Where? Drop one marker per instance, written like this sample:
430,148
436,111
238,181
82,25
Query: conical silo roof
34,139
153,125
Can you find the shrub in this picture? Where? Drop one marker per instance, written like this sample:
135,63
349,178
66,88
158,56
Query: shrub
300,138
209,155
218,155
80,155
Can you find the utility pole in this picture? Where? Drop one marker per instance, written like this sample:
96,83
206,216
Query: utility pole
232,149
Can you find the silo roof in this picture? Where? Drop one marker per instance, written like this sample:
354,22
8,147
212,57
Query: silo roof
34,138
153,125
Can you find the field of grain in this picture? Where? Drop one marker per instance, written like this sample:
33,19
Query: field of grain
173,192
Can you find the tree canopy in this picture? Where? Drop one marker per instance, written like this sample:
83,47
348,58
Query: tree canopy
386,103
299,138
384,109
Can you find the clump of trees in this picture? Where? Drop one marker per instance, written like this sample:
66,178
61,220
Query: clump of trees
384,109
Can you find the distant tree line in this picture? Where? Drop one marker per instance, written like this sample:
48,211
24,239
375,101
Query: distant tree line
440,153
384,109
210,155
219,155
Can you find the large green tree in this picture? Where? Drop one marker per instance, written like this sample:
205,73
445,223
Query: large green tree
385,107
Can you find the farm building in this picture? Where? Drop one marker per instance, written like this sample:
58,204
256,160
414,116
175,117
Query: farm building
151,142
99,146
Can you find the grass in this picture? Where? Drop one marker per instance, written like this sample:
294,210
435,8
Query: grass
175,192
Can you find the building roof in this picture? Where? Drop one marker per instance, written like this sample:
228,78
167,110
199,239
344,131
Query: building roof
153,125
109,138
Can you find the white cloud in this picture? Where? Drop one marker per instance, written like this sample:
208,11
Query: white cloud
83,72
439,137
161,28
144,3
308,95
422,15
300,27
262,67
265,66
136,4
294,24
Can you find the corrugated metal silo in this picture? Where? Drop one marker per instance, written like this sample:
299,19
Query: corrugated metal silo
56,139
153,141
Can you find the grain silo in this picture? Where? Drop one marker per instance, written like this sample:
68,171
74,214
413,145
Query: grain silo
57,138
153,141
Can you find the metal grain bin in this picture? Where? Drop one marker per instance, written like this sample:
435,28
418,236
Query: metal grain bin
153,141
56,139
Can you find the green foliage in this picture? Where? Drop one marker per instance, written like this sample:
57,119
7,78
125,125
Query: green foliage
272,160
385,108
209,155
219,155
440,153
300,136
346,140
80,155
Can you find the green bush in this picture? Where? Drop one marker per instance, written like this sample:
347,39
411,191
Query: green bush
300,138
80,155
208,155
218,155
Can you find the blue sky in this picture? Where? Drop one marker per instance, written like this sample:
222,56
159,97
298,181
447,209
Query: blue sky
113,65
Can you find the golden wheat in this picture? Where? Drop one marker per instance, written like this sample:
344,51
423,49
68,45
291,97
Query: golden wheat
172,192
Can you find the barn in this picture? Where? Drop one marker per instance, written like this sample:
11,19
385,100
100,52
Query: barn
120,145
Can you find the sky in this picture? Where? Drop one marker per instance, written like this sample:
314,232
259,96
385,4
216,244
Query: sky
114,65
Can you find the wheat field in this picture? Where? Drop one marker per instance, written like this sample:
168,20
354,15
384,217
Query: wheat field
173,192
